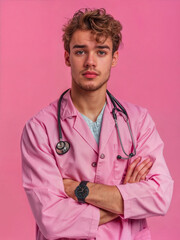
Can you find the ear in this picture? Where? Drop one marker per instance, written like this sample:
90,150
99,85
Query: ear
115,58
67,60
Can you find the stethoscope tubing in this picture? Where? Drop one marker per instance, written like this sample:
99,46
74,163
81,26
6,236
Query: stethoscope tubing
59,113
63,146
124,114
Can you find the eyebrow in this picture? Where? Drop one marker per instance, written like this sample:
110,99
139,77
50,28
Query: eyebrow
85,46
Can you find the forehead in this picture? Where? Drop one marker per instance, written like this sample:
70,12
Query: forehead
81,37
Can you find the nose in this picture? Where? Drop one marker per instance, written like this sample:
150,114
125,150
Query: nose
90,61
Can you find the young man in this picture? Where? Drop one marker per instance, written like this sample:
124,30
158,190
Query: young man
87,187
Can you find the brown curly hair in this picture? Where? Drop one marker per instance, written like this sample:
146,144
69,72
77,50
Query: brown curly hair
101,24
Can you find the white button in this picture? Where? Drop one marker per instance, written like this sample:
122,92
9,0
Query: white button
94,164
102,156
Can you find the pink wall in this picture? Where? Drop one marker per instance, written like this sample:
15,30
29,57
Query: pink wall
33,74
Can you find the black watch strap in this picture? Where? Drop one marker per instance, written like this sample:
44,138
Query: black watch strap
83,183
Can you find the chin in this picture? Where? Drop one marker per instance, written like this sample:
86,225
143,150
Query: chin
92,86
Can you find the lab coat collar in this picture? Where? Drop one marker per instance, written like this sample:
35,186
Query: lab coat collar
68,109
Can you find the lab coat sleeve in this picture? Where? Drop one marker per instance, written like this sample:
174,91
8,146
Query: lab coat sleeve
57,215
152,196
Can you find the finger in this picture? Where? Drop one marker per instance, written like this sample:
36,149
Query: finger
131,169
142,174
140,170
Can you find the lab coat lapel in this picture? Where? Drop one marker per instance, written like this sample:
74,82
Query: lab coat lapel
83,129
108,125
68,111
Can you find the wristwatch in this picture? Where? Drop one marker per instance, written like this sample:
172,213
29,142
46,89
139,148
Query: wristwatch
82,191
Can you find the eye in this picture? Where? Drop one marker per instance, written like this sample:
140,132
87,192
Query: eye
102,53
80,52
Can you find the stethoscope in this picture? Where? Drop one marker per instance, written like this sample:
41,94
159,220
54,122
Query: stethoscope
63,147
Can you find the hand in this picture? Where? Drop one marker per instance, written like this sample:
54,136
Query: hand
137,173
69,187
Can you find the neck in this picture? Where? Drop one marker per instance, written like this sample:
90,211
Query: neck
89,103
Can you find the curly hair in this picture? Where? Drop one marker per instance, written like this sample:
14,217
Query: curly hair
101,24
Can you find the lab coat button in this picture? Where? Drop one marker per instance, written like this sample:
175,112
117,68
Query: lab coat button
94,164
102,156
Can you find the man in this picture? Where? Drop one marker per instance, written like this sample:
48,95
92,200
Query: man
90,191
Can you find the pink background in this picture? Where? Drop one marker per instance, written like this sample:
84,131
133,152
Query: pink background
33,74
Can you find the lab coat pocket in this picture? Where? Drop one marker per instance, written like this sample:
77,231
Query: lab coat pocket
120,166
143,235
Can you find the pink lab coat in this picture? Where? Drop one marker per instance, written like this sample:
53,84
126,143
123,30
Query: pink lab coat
60,217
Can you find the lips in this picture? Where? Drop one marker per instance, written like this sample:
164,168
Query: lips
89,74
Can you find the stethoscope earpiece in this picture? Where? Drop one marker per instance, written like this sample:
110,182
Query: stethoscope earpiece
62,147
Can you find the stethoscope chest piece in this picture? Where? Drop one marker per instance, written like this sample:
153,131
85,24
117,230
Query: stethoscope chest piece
62,147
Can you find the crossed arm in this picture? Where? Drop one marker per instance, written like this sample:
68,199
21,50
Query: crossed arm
108,198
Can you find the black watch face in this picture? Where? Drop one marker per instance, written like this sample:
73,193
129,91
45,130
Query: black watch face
81,192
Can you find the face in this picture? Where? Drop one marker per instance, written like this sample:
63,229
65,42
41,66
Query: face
90,61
